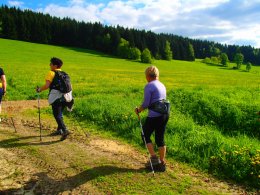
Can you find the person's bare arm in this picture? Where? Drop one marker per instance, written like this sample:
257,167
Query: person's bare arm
44,87
3,83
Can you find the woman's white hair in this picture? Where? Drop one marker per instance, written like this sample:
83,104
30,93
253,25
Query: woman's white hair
152,71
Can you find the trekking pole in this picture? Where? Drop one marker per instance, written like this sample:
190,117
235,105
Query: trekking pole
39,111
142,132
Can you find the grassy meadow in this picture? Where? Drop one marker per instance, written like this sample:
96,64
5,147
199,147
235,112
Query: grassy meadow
213,124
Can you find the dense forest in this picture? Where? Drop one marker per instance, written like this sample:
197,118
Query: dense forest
26,25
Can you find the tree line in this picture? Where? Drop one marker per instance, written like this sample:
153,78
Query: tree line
26,25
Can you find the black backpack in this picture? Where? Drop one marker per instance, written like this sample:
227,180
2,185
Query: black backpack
61,82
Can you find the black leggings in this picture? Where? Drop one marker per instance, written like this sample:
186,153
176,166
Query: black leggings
157,125
57,108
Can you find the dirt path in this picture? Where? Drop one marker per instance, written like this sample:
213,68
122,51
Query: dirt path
54,168
80,164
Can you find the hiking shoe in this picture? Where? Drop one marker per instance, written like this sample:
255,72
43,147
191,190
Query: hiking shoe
154,160
162,167
58,132
64,135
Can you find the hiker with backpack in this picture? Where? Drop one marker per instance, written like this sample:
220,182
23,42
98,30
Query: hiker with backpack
60,94
2,87
158,115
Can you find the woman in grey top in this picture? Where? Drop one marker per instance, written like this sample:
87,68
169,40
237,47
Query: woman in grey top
154,91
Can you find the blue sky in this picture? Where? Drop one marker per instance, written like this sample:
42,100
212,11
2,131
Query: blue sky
224,21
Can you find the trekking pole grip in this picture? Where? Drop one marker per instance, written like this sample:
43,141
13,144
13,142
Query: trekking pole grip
38,89
136,111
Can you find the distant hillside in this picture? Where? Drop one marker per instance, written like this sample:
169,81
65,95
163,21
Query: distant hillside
29,26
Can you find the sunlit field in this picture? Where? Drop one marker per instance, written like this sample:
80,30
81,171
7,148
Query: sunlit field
213,124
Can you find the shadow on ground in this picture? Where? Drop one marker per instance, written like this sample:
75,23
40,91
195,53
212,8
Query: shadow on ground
25,141
43,184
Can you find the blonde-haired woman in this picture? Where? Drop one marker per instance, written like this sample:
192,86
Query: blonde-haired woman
154,92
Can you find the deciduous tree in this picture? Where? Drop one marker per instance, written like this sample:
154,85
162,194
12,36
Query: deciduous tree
134,53
123,48
248,66
168,51
146,56
191,56
224,59
239,58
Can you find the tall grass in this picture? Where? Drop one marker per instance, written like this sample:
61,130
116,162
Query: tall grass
204,146
213,125
231,110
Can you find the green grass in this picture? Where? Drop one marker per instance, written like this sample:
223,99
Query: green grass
26,65
213,107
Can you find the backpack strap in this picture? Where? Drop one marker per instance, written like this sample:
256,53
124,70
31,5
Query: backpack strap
54,84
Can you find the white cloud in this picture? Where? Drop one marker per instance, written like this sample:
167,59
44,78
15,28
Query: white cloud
88,13
215,20
118,12
249,34
191,5
15,3
77,2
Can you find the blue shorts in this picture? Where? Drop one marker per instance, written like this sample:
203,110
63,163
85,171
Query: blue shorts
1,94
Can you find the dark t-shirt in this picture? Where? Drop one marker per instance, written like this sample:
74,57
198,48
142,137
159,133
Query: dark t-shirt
1,72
